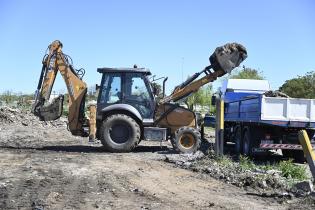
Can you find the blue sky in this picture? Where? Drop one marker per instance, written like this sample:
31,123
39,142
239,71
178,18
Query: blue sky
171,38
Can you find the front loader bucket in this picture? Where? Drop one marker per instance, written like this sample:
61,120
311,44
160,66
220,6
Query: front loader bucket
51,111
228,57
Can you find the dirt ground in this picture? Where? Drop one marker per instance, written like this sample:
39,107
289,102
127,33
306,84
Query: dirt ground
47,168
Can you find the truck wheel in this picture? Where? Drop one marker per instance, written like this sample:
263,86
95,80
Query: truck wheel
238,140
120,133
247,144
186,140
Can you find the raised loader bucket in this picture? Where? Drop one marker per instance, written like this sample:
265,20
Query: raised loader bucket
51,111
228,57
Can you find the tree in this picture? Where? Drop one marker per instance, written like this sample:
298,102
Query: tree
91,94
247,73
300,87
158,89
8,97
202,98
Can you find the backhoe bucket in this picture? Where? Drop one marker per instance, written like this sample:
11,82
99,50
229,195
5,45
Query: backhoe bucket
51,111
228,57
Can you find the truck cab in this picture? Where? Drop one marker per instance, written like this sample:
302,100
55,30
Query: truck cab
126,89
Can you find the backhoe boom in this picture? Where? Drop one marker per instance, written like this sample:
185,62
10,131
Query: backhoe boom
56,61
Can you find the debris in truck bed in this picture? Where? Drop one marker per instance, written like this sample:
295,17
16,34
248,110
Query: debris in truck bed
276,93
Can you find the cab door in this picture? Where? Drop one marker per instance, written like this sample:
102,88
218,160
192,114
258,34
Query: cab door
110,90
137,93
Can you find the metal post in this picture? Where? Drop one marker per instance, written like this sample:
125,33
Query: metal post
308,150
219,129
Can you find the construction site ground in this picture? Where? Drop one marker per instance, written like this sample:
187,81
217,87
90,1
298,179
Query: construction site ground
44,167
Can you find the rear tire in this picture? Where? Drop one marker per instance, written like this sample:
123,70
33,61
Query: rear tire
247,143
238,140
120,133
186,140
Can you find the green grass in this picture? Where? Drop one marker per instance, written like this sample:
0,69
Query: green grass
287,168
290,170
225,161
246,163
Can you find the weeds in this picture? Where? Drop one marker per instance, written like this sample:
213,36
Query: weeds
287,168
246,163
290,170
225,161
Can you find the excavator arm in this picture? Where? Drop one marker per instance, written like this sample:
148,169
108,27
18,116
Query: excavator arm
223,61
56,61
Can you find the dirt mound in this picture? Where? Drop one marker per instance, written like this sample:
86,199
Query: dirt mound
16,116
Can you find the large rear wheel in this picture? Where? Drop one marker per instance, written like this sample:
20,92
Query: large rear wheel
186,140
120,133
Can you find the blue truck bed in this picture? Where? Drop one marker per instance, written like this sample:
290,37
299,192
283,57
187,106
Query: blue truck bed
257,108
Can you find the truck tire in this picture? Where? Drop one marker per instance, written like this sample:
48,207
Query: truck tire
120,133
186,140
237,135
247,143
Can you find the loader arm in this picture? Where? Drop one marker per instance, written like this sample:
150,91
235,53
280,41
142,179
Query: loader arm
223,61
182,92
52,63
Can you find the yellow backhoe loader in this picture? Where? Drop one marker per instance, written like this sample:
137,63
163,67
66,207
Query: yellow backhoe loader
127,110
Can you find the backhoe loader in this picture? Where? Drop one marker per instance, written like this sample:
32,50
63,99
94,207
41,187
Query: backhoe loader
127,110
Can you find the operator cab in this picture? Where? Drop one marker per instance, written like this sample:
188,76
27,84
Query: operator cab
124,87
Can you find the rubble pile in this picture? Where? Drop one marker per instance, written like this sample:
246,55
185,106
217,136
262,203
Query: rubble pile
264,181
26,118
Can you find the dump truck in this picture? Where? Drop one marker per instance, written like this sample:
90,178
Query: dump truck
257,119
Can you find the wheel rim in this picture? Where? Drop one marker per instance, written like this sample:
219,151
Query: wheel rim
120,132
187,141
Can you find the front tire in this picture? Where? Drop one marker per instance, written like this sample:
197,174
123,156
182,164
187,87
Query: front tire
120,133
186,140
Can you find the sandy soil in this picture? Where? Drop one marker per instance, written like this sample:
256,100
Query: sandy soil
47,168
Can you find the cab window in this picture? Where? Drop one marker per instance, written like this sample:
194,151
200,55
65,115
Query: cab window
111,89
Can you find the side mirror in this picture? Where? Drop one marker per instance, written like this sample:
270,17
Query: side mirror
213,100
97,87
